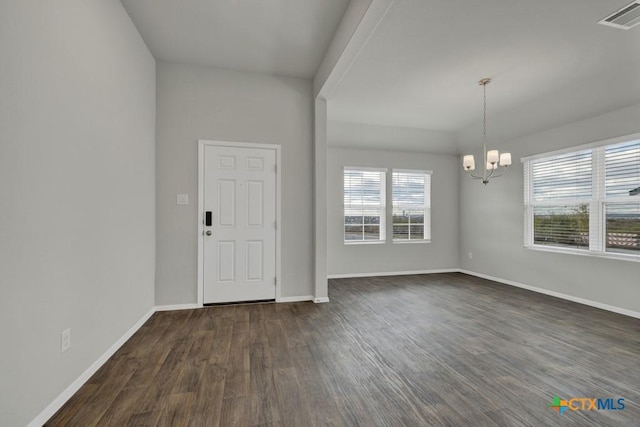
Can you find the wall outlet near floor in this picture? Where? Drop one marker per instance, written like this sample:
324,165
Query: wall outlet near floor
470,255
65,341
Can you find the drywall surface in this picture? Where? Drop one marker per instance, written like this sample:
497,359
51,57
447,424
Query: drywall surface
390,138
77,186
440,254
492,223
206,103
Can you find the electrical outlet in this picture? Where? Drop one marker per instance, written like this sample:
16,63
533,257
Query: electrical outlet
65,341
470,255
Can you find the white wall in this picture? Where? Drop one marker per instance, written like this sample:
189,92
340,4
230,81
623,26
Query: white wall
205,103
391,138
441,253
492,222
77,222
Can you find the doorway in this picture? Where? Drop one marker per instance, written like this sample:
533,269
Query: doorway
238,224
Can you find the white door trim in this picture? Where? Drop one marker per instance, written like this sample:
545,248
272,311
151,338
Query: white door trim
202,143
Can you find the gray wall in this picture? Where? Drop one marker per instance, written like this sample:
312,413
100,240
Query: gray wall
77,232
441,253
492,221
376,137
204,103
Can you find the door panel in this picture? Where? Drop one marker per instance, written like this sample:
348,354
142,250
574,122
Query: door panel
240,253
226,203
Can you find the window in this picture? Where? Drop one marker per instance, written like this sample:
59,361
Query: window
364,205
585,201
411,205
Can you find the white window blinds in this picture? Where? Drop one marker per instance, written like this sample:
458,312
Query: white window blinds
411,205
561,193
622,197
587,200
364,204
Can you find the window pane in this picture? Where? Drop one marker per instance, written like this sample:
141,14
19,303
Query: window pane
364,203
622,162
416,231
411,204
400,232
371,232
353,232
353,219
566,226
400,219
566,176
372,220
623,227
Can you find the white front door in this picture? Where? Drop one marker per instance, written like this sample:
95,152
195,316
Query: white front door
239,248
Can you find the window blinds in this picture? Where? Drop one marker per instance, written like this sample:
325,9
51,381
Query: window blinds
588,200
364,204
411,205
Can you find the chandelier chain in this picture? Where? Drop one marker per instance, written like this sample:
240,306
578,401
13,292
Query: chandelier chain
484,117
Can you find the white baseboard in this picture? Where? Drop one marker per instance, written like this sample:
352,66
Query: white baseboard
295,299
54,406
579,300
176,307
391,273
79,382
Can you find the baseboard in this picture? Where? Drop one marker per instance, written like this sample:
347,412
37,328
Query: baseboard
79,382
295,299
579,300
176,307
321,300
391,273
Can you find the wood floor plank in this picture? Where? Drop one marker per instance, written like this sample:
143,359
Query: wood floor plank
264,401
442,349
235,411
221,345
176,412
293,407
207,408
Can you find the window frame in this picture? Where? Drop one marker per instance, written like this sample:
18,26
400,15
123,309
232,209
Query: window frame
427,206
597,202
383,207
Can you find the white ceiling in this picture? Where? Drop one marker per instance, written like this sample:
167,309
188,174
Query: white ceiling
421,66
284,37
550,60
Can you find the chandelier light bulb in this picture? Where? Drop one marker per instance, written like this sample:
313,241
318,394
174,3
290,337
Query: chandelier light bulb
469,162
505,159
493,156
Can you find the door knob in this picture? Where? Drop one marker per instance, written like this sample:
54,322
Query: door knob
208,232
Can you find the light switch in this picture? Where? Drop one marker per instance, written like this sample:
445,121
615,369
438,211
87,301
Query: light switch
182,199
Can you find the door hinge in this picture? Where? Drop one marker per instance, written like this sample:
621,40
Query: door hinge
275,281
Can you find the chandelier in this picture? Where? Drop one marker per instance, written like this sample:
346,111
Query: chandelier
492,159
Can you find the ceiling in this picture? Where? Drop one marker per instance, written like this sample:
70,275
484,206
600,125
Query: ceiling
421,65
284,37
550,61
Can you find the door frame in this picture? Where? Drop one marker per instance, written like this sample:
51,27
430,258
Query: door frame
202,143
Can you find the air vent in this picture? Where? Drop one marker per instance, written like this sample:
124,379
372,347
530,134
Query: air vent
625,18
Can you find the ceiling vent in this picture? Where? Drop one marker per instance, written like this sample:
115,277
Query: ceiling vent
625,18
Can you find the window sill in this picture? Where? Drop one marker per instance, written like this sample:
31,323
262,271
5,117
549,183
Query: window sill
582,252
410,242
364,242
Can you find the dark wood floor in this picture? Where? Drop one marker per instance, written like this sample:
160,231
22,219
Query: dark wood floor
444,349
